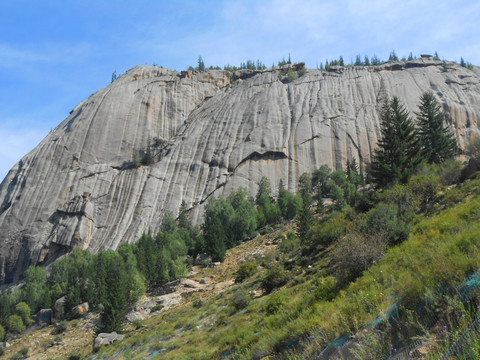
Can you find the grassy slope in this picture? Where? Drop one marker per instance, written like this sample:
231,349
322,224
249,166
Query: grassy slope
442,248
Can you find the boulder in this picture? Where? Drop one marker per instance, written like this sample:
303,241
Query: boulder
106,339
78,311
44,317
203,259
59,308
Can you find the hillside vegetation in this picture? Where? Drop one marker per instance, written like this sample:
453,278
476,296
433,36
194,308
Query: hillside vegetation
350,266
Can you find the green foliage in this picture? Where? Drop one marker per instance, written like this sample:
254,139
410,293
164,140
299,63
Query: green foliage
327,229
275,303
291,75
398,152
268,212
326,289
274,277
393,56
438,142
113,287
306,214
36,292
240,299
245,270
15,324
23,310
2,333
289,204
384,221
201,64
136,159
290,243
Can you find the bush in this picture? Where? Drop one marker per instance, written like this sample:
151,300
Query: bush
157,307
291,75
24,311
2,333
327,230
197,304
20,355
274,303
384,221
290,243
275,277
240,299
354,253
15,324
245,271
60,328
325,291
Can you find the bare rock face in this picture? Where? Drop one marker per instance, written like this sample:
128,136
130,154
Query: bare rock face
209,133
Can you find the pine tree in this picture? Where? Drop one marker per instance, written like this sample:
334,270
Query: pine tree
398,152
438,141
201,64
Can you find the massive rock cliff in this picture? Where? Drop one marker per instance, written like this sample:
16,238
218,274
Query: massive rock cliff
209,132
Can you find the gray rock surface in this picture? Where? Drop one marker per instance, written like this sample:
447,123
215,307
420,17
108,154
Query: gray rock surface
44,317
210,132
59,308
106,339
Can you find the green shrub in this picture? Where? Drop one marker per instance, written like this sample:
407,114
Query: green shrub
291,75
240,299
15,324
274,277
197,304
303,71
138,323
21,354
2,333
274,303
24,311
424,189
326,290
385,221
290,243
245,270
327,230
157,307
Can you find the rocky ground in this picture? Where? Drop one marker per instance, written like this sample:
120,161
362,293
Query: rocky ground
209,281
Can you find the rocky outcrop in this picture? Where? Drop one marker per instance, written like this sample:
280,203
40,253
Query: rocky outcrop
105,339
209,133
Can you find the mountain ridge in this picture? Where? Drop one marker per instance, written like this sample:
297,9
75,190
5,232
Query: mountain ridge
211,132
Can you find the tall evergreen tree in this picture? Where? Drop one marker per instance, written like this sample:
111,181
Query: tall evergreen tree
398,152
306,215
438,141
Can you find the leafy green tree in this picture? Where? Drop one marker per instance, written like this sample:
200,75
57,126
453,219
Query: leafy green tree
219,214
23,310
243,222
183,219
15,324
288,203
438,141
268,211
398,152
35,291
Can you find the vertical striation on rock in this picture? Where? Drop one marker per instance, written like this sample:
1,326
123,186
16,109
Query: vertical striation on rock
209,132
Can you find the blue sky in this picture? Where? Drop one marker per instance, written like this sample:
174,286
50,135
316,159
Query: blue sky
54,54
